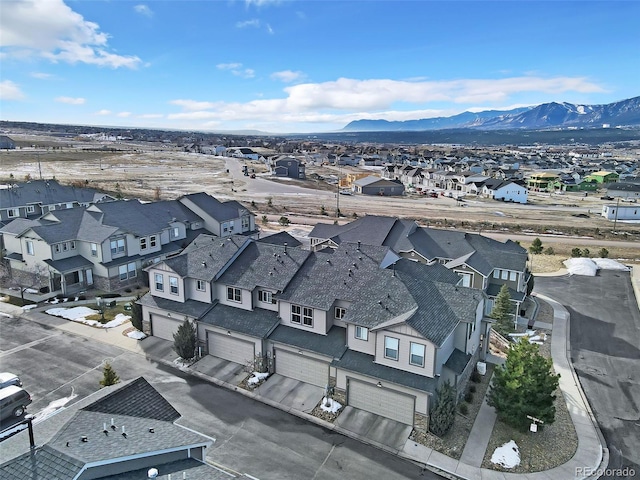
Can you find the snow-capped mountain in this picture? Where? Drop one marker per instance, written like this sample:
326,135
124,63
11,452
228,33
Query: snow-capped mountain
547,115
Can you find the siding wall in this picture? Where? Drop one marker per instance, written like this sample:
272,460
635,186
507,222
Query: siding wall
406,335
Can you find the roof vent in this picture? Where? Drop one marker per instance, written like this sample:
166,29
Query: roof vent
328,261
151,430
152,473
204,264
84,439
124,434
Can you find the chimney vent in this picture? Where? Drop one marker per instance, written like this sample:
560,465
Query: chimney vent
84,439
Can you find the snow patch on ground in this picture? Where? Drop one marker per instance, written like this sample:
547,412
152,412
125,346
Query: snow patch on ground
50,409
13,430
79,314
29,307
330,405
2,314
589,266
137,335
507,455
182,364
257,377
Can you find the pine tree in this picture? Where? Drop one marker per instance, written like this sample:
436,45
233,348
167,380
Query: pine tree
536,246
109,376
443,414
184,340
136,313
524,385
502,310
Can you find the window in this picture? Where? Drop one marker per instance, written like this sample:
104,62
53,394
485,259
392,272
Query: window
504,275
30,248
13,212
122,270
94,249
201,285
127,271
131,269
117,246
245,223
339,313
159,279
362,333
173,285
31,209
65,246
466,279
56,248
307,316
496,273
175,232
143,243
416,356
72,244
391,347
295,313
266,297
234,294
231,225
512,276
69,205
152,241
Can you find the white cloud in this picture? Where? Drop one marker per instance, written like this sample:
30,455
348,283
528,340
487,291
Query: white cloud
41,75
52,30
103,112
237,70
248,23
270,30
143,10
287,76
262,3
123,114
71,100
10,91
151,115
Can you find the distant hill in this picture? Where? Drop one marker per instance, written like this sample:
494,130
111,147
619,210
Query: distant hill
546,116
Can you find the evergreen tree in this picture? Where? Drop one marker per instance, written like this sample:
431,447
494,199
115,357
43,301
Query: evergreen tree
603,253
502,310
443,414
109,376
136,313
184,340
524,385
536,246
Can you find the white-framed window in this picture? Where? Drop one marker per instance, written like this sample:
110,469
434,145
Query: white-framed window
307,316
234,294
159,281
122,271
94,249
153,241
505,275
231,225
466,279
65,246
127,271
201,285
143,243
362,333
296,314
13,212
416,354
69,205
56,248
391,348
339,312
245,223
117,246
30,250
175,232
31,209
266,297
512,276
72,244
173,285
496,273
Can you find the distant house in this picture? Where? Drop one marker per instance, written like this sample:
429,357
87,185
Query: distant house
119,432
289,167
6,143
624,190
242,152
621,212
378,186
541,181
603,176
504,190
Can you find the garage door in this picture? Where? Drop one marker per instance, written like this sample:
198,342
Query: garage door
163,327
229,348
381,401
305,369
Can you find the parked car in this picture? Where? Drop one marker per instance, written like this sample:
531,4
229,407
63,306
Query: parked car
13,402
7,379
346,192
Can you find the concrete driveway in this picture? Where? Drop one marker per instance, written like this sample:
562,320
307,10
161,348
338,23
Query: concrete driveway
291,393
374,427
224,370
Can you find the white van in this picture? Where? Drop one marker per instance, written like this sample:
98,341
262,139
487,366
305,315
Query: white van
13,402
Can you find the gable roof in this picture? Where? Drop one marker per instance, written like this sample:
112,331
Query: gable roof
47,192
221,211
281,238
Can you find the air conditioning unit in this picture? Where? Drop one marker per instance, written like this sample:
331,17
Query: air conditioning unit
482,368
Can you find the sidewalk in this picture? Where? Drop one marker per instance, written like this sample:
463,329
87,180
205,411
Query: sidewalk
589,454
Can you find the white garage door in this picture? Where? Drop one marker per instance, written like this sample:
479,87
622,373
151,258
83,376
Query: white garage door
381,401
232,349
163,327
305,369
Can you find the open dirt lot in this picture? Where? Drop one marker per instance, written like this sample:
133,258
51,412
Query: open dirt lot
162,171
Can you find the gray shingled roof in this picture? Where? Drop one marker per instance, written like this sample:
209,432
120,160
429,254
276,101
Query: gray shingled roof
68,264
264,265
221,211
458,361
44,463
47,192
493,289
191,308
194,470
333,344
257,323
281,238
365,365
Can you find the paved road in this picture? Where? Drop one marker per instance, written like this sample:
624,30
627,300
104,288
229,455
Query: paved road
605,351
59,368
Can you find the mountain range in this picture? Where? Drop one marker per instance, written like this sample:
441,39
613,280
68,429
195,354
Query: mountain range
545,116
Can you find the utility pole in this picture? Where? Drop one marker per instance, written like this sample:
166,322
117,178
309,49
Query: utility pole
615,219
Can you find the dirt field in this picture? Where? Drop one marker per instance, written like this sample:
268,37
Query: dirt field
149,170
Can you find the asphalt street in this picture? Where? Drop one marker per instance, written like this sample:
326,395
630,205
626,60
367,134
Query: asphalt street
605,351
58,369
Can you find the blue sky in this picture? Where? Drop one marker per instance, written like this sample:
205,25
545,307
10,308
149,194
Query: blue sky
286,66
